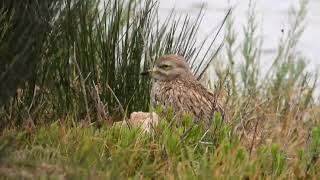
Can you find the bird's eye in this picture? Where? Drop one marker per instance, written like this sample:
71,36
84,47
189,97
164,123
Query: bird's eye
164,66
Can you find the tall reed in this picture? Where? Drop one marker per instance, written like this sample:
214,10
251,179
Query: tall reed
101,47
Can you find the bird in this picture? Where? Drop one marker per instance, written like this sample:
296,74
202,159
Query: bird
176,87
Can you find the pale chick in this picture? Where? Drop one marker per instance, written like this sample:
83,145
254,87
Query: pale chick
176,87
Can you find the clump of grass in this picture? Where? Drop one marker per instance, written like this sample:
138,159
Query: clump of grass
100,48
278,103
278,108
24,27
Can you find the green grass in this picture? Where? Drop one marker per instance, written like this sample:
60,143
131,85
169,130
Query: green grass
95,46
59,150
56,125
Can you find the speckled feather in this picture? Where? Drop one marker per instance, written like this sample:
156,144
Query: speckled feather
186,95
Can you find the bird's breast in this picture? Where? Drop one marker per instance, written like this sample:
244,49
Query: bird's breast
185,97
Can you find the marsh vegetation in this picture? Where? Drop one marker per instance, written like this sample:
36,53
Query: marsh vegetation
75,68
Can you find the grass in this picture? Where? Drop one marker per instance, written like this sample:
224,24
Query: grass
88,75
105,45
60,150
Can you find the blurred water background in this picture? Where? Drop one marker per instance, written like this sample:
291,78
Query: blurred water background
272,19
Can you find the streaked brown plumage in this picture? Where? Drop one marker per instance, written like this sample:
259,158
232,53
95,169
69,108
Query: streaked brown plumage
176,87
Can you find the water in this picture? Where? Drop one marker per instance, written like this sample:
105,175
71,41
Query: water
273,17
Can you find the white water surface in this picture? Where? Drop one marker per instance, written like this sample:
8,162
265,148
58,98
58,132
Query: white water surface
272,19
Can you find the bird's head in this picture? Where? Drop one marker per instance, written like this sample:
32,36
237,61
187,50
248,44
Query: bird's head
169,67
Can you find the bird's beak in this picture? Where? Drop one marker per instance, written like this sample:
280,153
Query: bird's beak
149,72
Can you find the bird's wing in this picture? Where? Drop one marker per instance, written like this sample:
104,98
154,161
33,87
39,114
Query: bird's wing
212,98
